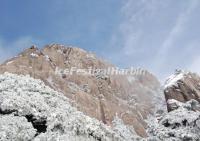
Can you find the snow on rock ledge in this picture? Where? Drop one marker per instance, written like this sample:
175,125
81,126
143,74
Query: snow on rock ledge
173,79
29,110
182,86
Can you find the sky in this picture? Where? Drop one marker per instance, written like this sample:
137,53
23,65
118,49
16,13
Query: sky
158,35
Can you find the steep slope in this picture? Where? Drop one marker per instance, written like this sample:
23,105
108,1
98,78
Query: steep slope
29,110
100,96
182,86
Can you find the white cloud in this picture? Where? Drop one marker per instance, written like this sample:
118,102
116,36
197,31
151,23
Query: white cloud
178,28
130,33
169,45
134,13
150,31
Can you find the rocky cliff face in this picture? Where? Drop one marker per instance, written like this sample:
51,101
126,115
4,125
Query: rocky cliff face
100,96
182,86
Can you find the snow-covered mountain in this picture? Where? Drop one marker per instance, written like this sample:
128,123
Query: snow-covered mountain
39,101
131,97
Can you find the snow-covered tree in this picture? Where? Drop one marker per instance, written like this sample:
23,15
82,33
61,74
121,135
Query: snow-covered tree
181,124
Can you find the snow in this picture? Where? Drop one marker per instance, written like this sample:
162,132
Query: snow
180,124
10,62
17,127
123,130
25,101
131,79
47,58
90,56
173,79
34,55
174,104
60,51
